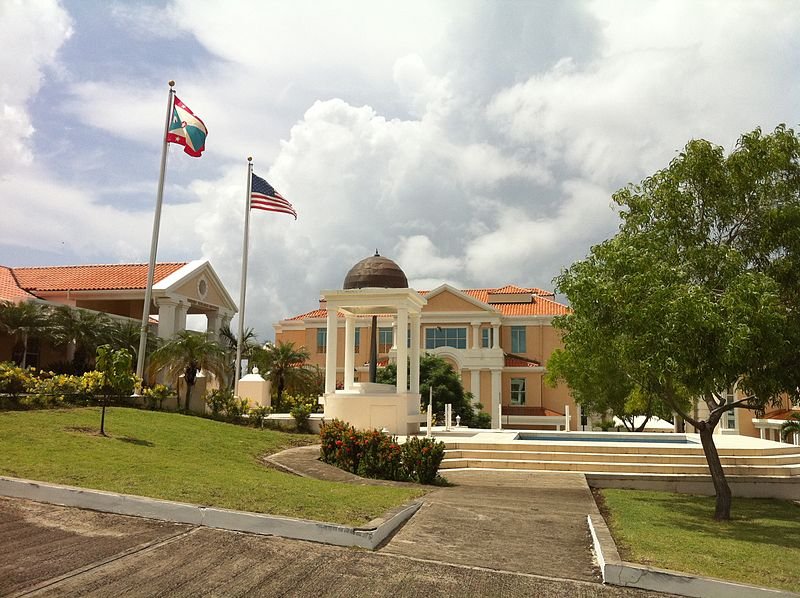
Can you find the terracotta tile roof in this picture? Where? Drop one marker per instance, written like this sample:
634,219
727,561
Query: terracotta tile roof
542,304
514,361
9,289
512,289
91,278
780,414
316,314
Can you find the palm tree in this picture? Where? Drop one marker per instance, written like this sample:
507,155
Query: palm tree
124,334
790,426
187,353
285,367
22,321
81,330
229,339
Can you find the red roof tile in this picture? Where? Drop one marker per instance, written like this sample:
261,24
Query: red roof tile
514,361
91,278
322,314
9,289
542,304
780,414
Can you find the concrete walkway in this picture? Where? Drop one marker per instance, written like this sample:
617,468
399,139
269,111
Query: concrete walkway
47,550
528,522
490,534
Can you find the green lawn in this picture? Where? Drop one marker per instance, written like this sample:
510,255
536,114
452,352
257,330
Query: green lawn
759,546
178,457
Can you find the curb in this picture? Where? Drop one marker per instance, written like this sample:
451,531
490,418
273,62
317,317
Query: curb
622,573
368,537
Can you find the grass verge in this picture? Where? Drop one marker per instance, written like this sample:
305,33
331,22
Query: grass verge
183,458
760,545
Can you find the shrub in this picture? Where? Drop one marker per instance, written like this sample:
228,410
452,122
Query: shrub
237,408
381,456
219,401
329,433
156,395
55,391
259,414
376,455
301,414
421,459
289,402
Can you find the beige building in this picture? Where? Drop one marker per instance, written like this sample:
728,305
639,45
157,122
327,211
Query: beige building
497,339
180,289
747,423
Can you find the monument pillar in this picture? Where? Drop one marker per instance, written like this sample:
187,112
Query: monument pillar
330,350
349,350
401,341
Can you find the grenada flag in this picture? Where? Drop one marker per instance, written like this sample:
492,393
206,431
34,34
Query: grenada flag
186,129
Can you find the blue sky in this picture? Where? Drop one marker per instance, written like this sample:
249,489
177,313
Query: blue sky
474,142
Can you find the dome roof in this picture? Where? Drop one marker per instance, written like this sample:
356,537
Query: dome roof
375,272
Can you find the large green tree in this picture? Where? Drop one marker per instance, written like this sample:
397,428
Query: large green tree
22,321
81,331
188,353
700,289
435,372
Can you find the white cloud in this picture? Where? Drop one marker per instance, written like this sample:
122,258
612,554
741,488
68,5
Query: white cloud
33,32
473,143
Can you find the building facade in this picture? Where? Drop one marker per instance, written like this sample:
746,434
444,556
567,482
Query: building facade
498,340
179,289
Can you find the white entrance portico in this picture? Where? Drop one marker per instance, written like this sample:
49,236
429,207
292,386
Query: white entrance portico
369,405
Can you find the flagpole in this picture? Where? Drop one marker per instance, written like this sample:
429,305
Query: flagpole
151,268
243,283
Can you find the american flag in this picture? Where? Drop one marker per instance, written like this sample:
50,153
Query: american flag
264,197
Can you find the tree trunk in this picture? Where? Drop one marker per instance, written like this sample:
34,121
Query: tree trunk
279,395
188,395
24,350
103,419
723,491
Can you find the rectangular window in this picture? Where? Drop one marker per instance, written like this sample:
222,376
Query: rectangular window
446,337
518,339
358,339
322,340
384,340
730,416
517,391
486,338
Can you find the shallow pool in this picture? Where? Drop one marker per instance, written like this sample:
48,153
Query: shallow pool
603,438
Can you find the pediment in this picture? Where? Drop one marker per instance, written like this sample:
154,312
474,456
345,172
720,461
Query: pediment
197,282
449,299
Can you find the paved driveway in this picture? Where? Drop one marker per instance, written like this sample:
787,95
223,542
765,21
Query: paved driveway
56,551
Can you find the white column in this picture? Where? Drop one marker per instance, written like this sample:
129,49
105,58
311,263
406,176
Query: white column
415,328
496,398
349,350
475,385
166,316
394,335
761,433
401,341
180,315
214,322
476,335
330,351
495,336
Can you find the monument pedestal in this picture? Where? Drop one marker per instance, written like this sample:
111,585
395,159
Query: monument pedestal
369,406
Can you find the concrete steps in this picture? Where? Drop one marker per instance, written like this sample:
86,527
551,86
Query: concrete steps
632,459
